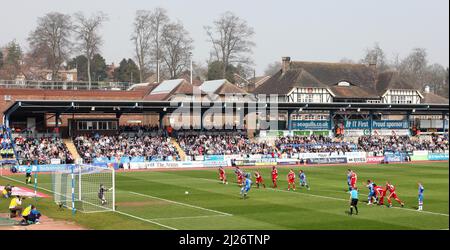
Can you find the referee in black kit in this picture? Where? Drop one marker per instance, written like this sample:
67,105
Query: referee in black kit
354,200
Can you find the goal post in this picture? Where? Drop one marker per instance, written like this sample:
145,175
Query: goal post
85,188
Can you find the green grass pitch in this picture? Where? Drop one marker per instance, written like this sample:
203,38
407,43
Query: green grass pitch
157,200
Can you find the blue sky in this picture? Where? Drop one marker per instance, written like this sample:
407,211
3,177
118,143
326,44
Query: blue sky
321,30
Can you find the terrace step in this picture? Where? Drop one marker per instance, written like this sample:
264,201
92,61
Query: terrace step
181,152
72,149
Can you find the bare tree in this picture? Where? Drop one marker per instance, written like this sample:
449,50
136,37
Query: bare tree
88,37
272,68
436,77
413,67
51,40
231,40
375,56
200,71
176,47
158,19
142,38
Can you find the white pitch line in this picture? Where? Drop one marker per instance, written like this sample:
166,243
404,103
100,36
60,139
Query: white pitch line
139,218
340,199
142,219
188,217
183,204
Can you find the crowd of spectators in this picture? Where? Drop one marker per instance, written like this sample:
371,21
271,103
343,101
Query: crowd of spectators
153,144
152,148
438,143
6,148
312,144
378,144
138,128
221,144
42,150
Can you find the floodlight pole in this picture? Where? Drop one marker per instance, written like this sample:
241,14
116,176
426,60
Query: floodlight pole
157,71
190,55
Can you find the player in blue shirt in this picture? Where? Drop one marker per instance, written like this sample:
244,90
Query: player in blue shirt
28,171
372,193
302,178
349,177
421,189
247,185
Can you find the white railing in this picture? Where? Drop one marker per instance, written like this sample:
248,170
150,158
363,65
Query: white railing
64,85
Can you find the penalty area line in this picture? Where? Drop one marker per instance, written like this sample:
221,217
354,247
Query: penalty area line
183,204
145,220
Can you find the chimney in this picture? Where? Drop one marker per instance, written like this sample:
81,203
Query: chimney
285,64
426,89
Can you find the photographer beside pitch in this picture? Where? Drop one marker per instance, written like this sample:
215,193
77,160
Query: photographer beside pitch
7,191
15,206
30,215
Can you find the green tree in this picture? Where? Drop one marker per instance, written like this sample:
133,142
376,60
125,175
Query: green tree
14,55
215,71
127,71
98,68
12,62
79,63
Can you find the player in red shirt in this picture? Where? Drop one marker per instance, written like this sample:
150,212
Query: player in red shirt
380,192
353,179
392,194
239,175
259,179
274,176
291,180
222,175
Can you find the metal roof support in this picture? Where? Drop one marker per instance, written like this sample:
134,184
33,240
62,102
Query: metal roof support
8,113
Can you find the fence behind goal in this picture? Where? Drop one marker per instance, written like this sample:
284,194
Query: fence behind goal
84,188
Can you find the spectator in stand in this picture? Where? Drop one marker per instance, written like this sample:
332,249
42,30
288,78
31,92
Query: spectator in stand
6,148
222,144
379,144
152,148
312,144
42,150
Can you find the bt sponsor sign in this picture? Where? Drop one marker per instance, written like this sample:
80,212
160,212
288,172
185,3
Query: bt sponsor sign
390,124
376,124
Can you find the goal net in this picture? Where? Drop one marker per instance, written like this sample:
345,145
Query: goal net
84,188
